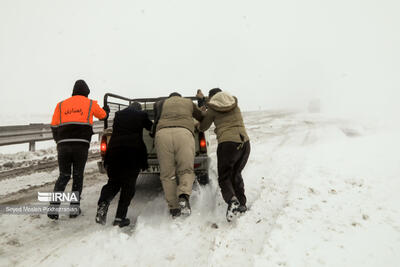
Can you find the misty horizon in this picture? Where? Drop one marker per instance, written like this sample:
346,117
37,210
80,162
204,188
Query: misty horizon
271,55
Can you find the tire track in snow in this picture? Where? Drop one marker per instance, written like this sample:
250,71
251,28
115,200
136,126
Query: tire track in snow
238,241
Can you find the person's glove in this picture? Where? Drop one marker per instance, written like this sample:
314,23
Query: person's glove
201,100
199,94
106,108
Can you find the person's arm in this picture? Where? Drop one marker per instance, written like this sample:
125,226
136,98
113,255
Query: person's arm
147,123
98,112
56,116
55,122
201,100
197,113
206,122
157,114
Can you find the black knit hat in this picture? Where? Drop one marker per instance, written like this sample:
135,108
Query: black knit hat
213,92
136,106
80,88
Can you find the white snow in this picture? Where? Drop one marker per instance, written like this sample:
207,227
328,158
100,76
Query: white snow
321,192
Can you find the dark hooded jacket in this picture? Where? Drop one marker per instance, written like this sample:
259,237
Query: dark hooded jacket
126,148
223,110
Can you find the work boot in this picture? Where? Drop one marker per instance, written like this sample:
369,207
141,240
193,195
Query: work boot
101,215
121,222
233,209
242,209
184,205
53,214
175,213
74,214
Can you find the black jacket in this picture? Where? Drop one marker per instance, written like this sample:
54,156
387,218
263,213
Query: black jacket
126,148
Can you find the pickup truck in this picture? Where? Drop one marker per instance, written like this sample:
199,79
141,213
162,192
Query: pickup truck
116,103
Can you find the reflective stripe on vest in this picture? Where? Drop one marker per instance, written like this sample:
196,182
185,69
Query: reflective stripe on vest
60,110
71,123
90,109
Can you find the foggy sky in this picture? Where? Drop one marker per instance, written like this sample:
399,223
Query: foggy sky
270,54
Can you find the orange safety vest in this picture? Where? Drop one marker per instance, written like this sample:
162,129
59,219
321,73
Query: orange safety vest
73,119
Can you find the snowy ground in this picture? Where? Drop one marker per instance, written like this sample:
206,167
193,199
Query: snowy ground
322,192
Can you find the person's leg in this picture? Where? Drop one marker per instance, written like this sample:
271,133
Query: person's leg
64,157
80,155
238,183
64,165
166,159
128,188
107,194
184,157
227,155
111,189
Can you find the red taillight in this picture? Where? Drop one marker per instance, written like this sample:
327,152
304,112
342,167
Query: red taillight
103,145
196,165
202,142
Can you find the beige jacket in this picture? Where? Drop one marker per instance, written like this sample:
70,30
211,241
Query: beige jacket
227,117
179,112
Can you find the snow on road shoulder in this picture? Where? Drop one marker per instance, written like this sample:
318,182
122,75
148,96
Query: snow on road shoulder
342,209
16,184
321,192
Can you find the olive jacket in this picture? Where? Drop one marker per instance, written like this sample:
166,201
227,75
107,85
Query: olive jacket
224,111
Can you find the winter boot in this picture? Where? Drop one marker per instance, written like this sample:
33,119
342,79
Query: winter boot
175,213
52,214
184,205
74,214
121,222
101,215
242,209
233,209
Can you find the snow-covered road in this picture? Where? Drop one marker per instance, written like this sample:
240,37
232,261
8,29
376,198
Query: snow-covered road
322,192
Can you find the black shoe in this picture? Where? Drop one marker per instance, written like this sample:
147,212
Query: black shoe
101,215
242,208
121,222
184,205
233,209
74,214
175,213
53,214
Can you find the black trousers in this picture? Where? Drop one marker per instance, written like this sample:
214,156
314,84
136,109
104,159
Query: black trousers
232,158
123,179
72,156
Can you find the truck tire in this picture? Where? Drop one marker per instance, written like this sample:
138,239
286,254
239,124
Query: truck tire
203,178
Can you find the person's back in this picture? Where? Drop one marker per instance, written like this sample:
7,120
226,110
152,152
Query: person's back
72,130
73,117
174,141
224,111
126,147
125,157
178,112
233,148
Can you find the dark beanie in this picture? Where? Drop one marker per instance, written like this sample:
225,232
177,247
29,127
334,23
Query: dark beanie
213,92
174,94
81,88
136,106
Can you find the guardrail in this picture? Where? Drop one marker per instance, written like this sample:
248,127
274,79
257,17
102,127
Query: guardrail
32,133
